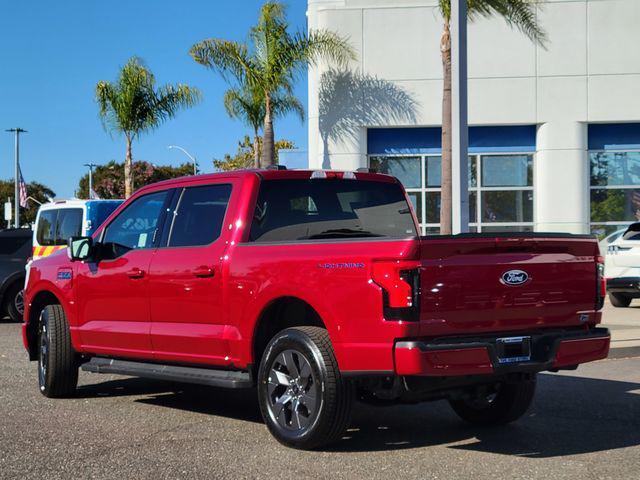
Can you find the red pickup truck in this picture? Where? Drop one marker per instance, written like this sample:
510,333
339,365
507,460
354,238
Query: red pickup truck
316,288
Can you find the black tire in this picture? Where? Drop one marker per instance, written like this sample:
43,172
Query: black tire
14,305
332,395
57,364
619,301
509,402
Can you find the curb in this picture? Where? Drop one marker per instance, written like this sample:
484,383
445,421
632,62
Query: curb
624,352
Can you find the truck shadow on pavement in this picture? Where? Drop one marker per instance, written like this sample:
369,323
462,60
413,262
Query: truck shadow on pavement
570,416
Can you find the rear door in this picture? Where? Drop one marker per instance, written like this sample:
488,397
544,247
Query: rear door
471,285
185,278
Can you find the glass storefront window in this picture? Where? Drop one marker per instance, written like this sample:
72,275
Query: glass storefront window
507,206
507,171
615,190
503,197
615,205
405,169
615,168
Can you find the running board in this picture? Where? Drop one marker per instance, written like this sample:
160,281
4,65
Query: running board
175,373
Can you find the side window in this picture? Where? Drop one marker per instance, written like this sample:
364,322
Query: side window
68,224
46,232
199,215
136,225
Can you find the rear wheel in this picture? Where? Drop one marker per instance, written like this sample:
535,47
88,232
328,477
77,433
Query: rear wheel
497,404
304,400
15,302
57,365
619,300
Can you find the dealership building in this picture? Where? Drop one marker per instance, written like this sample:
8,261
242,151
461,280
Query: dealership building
554,136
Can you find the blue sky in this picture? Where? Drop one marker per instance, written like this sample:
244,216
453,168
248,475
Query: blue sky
53,53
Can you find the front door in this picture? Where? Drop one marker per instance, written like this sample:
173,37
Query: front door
185,281
112,292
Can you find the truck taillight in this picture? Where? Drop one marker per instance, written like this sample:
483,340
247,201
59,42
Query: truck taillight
601,285
400,284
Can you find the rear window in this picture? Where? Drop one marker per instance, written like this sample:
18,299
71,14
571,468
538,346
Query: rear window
56,226
289,210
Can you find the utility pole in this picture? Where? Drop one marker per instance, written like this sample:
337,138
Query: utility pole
459,125
91,166
16,197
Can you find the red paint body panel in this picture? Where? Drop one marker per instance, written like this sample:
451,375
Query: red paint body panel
171,315
574,352
467,361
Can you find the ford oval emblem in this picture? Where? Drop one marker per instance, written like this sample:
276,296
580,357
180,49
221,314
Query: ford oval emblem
514,277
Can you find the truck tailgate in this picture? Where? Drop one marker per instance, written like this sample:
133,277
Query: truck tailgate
474,284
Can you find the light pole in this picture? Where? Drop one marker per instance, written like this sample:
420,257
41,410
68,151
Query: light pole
16,198
459,125
195,163
90,165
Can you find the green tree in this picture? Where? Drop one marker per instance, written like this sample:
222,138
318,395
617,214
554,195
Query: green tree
35,190
247,104
520,14
108,179
133,105
271,60
244,158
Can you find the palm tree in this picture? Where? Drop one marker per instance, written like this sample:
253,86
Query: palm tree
520,14
133,105
247,104
271,61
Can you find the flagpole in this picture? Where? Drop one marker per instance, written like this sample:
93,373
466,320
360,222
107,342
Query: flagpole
17,132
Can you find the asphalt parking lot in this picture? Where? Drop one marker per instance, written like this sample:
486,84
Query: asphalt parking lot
584,424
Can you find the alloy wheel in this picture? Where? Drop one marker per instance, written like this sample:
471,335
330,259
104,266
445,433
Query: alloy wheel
292,390
43,356
18,302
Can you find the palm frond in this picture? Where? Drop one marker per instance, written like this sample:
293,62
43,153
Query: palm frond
325,45
520,14
225,56
282,104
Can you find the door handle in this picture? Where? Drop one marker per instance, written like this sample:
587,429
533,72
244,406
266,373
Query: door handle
203,272
135,273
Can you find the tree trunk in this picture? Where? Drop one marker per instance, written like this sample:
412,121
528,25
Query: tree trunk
268,144
128,170
445,195
256,149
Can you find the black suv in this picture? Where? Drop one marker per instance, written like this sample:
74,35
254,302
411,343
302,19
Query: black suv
15,249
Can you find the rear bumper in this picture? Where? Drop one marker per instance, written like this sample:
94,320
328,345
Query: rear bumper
627,285
477,356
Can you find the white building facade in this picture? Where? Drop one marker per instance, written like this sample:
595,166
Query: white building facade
554,135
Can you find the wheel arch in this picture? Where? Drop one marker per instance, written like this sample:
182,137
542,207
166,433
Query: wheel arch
37,304
280,313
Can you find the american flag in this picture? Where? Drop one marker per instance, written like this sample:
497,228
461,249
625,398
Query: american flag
22,187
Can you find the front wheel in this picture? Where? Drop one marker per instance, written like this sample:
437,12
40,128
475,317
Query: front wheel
496,404
303,398
57,365
619,301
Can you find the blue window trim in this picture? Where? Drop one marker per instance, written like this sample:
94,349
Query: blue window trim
426,140
614,136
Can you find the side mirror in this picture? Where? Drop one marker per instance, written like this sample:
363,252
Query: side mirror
79,248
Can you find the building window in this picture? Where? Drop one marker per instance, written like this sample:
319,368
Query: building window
615,190
500,189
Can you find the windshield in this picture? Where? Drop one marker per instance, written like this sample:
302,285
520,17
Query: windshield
292,210
55,226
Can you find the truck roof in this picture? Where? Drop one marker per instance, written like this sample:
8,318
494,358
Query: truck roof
271,174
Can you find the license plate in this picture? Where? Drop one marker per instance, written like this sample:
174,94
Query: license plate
513,349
